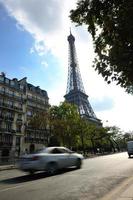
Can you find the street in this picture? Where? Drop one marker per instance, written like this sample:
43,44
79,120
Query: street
97,177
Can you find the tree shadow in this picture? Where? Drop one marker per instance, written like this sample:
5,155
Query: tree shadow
36,176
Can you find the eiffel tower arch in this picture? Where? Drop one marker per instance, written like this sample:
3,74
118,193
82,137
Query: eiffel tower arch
75,93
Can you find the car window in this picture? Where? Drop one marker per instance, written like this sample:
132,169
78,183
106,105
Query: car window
65,150
57,151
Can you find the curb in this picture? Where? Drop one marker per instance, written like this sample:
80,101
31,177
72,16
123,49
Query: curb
7,167
119,190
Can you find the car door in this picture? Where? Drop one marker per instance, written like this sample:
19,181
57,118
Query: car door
60,157
71,157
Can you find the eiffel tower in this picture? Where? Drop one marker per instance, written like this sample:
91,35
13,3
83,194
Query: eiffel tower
75,93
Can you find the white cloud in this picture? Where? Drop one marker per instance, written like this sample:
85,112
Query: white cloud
40,48
19,27
48,23
44,64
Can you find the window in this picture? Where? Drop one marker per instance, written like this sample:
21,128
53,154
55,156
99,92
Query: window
29,96
6,90
7,80
1,101
10,103
19,127
60,150
29,113
21,87
10,92
17,140
3,89
56,151
12,83
8,126
2,78
65,150
19,116
18,105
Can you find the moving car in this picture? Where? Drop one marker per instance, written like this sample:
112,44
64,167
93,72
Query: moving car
50,159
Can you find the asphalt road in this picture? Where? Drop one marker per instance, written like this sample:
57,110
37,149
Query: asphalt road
97,177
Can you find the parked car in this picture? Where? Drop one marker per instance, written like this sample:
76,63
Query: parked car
50,159
130,148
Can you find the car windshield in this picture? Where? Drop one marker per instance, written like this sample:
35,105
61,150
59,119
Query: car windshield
68,150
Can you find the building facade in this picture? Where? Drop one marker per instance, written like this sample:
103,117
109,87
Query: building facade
19,101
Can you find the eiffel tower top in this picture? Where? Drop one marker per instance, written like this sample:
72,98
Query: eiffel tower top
74,81
71,38
75,93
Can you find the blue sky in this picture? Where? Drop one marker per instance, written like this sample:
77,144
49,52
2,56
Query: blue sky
16,58
33,44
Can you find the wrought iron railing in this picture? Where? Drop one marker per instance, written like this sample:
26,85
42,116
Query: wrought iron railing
8,160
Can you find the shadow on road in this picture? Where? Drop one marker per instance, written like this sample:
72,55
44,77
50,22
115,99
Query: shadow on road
130,157
36,176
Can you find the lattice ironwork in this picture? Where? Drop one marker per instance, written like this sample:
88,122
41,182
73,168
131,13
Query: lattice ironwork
75,90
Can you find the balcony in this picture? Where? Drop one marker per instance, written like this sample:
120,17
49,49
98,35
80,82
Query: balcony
3,93
36,100
11,107
32,129
6,130
35,140
6,118
19,120
5,139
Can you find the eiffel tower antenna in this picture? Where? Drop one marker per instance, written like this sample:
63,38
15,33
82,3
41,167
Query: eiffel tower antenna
70,30
75,92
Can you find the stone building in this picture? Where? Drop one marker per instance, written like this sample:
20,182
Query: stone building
19,101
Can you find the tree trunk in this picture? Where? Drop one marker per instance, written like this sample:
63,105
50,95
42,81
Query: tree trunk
83,146
93,146
112,145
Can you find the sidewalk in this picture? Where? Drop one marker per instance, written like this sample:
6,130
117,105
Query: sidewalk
127,193
124,191
7,167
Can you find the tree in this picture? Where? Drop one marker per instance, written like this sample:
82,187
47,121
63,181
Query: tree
82,132
40,121
111,27
114,135
98,137
64,120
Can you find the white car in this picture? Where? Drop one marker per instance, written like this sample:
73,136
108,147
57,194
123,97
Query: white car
50,159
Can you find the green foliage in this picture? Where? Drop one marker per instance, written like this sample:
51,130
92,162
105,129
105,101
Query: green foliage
64,119
39,120
110,24
67,128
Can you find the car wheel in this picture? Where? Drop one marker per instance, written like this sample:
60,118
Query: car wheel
129,155
31,172
52,168
78,163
